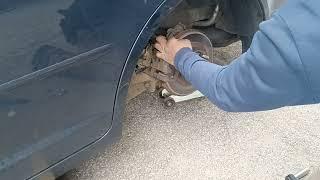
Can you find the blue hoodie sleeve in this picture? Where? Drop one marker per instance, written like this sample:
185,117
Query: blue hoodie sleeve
268,76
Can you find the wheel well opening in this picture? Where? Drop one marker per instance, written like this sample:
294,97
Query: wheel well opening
222,21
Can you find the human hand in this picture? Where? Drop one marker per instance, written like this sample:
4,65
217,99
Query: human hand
169,48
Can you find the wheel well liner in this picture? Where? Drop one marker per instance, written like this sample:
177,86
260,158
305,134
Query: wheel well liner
243,17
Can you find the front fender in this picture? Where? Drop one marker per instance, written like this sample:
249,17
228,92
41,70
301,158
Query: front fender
148,30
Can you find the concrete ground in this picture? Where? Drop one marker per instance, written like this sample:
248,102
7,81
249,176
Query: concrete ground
195,140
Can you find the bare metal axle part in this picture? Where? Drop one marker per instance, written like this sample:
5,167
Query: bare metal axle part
171,100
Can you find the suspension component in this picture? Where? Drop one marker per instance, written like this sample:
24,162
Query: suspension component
158,74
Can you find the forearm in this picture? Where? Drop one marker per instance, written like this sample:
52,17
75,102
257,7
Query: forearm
197,70
270,75
204,76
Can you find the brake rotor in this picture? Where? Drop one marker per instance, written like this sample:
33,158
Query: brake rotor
202,45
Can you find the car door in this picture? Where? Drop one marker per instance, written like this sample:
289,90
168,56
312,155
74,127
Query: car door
60,62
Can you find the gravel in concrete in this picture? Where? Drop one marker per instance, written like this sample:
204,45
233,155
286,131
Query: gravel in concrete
195,140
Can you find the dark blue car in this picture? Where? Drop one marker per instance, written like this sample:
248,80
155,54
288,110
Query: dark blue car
68,67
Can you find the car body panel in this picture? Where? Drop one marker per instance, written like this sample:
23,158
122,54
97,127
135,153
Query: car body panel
60,65
65,70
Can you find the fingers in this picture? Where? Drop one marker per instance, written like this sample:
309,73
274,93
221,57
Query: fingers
167,49
161,55
161,39
159,47
161,43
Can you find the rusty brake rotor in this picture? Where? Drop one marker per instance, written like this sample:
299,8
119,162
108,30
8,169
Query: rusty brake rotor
201,44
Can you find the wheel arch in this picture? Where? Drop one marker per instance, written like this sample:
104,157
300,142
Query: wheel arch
148,30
